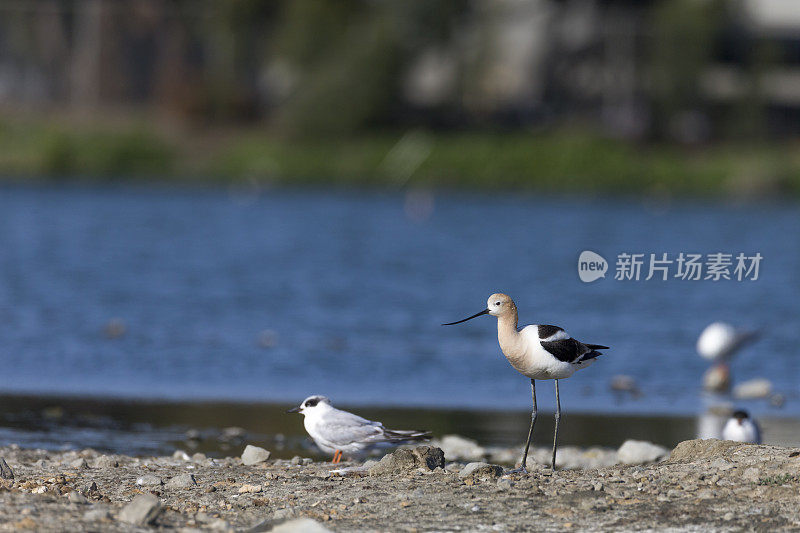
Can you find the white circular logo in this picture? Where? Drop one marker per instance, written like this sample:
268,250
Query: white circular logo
591,266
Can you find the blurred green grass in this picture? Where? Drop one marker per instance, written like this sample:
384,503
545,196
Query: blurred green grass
57,152
558,161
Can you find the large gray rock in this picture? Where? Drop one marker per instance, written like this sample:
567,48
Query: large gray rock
480,471
300,525
253,455
637,452
690,451
141,511
430,457
404,461
458,448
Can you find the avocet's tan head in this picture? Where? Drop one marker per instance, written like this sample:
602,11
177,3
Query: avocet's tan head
498,304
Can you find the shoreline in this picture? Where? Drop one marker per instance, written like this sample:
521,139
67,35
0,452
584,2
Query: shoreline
200,426
709,485
212,427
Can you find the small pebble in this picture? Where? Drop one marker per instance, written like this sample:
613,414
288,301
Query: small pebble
504,484
79,463
149,480
181,481
181,455
76,497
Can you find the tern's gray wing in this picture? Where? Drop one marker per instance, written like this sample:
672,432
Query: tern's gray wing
341,428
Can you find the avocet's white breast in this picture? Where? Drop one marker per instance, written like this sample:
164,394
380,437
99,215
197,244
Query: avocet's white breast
538,363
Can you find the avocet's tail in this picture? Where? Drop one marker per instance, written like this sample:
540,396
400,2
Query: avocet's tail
597,347
592,353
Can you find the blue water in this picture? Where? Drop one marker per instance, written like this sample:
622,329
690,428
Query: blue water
352,287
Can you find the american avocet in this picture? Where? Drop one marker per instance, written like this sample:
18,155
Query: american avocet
336,431
719,341
537,352
741,428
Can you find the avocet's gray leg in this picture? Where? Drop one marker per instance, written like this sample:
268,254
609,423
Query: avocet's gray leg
555,433
522,467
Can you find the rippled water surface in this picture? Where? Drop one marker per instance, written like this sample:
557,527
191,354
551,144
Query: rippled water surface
278,296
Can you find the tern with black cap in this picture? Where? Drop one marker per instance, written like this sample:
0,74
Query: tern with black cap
336,431
742,428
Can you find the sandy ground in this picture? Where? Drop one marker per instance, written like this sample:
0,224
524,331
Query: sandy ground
704,485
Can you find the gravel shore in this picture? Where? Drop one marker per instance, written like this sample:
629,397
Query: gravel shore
703,485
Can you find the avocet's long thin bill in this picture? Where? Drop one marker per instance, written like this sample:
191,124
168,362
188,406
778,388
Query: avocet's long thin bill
484,312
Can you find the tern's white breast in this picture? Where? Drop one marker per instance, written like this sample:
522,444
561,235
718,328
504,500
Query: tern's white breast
315,427
744,432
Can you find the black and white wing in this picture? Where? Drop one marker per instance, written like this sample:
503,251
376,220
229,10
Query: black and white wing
564,348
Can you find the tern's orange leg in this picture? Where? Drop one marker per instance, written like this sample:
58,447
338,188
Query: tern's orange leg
337,456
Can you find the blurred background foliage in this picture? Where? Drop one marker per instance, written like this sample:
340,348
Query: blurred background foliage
683,96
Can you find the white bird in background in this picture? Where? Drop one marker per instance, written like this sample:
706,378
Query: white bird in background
741,428
719,341
336,431
537,352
